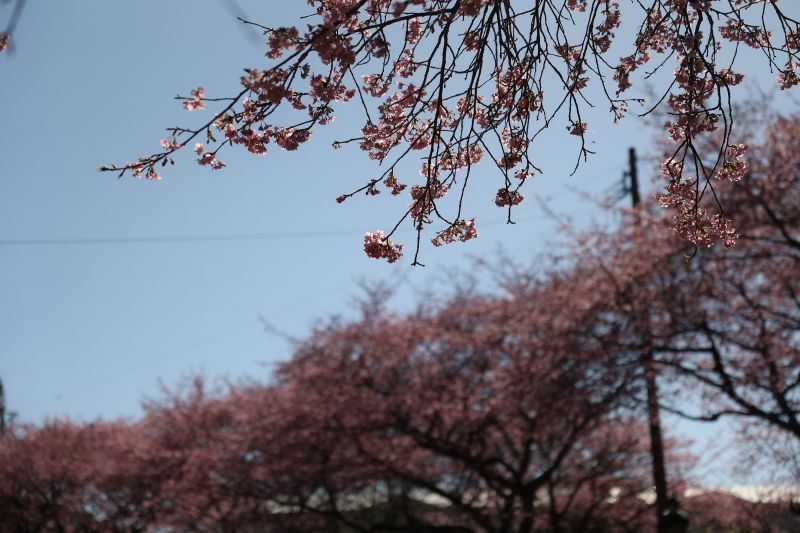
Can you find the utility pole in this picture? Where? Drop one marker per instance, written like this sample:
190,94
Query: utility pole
653,414
2,409
633,174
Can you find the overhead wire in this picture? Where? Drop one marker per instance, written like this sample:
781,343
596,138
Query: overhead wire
48,241
190,238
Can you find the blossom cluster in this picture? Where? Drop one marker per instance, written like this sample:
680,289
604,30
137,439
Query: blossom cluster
734,167
142,169
196,102
378,246
506,198
515,145
281,40
462,230
695,223
424,199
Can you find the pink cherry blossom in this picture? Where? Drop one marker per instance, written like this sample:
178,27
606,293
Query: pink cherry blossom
378,246
196,103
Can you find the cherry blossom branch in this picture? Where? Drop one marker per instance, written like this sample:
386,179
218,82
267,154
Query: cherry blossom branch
5,35
462,79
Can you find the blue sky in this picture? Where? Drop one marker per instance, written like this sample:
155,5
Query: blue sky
88,330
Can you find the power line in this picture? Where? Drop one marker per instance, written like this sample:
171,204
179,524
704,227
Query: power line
50,241
175,238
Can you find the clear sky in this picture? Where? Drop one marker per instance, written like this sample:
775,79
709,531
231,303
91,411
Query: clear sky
87,330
